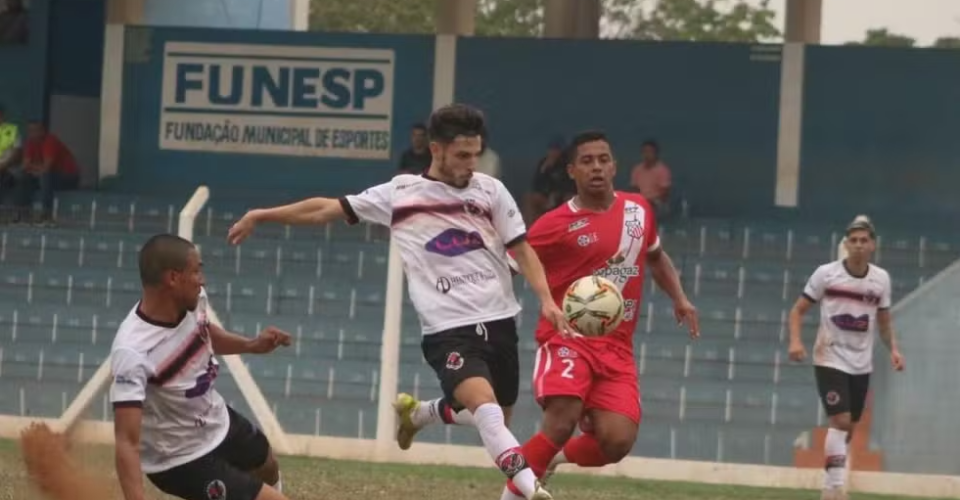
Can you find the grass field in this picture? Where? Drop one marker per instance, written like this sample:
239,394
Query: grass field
316,479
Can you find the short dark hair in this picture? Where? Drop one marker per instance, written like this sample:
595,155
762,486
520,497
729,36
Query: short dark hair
419,126
581,139
449,122
652,143
162,253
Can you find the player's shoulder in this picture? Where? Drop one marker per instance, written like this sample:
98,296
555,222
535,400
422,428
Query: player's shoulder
132,334
553,219
881,273
829,268
634,197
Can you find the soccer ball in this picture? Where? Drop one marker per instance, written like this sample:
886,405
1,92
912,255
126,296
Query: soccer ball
593,306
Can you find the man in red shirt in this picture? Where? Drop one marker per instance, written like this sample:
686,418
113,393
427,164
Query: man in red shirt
593,381
48,166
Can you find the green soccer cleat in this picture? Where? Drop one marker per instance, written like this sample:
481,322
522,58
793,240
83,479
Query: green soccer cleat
405,405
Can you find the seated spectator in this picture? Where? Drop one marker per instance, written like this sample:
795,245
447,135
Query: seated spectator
14,26
416,159
552,184
652,179
10,152
48,166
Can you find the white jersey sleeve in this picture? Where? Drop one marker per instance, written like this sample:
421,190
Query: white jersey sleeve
816,285
130,372
886,297
373,205
506,216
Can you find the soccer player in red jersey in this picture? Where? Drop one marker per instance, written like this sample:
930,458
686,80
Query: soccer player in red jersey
593,381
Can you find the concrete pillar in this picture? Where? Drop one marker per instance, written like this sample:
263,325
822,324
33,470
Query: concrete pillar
456,17
125,11
803,21
588,19
559,18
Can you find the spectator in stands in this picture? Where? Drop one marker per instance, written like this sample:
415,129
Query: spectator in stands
552,184
10,149
14,28
489,162
652,179
416,159
48,165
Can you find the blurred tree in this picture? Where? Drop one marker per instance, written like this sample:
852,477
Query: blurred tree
693,20
947,42
882,37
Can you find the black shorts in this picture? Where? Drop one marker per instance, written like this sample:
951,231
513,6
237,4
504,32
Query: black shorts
842,392
225,471
487,350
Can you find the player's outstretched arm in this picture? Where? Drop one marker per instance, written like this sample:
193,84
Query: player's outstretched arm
532,269
796,350
305,212
126,430
666,277
885,325
226,343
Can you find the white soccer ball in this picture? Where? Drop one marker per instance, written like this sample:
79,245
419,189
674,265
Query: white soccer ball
593,306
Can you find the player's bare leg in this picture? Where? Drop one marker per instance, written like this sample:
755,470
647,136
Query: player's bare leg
269,472
476,395
607,438
560,417
835,448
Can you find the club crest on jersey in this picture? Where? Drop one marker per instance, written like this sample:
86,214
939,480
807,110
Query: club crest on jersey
833,398
587,239
471,207
216,490
566,352
454,361
453,242
634,229
580,224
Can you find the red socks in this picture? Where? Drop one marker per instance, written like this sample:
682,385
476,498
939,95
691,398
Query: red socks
584,450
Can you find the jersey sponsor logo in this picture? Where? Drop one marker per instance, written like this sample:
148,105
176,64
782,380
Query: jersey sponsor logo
122,380
618,272
453,242
216,490
445,284
454,361
587,239
851,323
580,224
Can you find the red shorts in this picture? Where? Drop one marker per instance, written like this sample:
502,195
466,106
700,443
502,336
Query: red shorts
602,375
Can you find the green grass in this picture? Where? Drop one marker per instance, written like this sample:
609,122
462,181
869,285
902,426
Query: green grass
319,479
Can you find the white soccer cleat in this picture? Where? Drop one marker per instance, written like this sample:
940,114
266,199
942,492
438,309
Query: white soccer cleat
405,406
540,493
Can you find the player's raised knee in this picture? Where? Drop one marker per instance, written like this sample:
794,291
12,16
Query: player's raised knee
616,448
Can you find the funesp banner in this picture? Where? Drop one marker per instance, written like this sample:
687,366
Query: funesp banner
277,99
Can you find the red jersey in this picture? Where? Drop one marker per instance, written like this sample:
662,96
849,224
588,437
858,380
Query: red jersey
573,242
51,148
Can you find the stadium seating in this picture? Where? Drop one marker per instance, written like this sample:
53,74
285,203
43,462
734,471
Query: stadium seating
732,396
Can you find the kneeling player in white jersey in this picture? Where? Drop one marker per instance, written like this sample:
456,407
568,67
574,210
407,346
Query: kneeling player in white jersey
169,421
854,297
453,228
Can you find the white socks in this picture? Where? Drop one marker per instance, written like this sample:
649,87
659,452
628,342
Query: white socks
437,411
835,449
504,448
509,495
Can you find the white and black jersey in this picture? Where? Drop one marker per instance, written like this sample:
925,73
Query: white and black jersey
169,369
848,315
452,242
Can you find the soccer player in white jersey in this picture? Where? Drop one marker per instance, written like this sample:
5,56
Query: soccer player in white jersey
854,298
169,421
453,228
